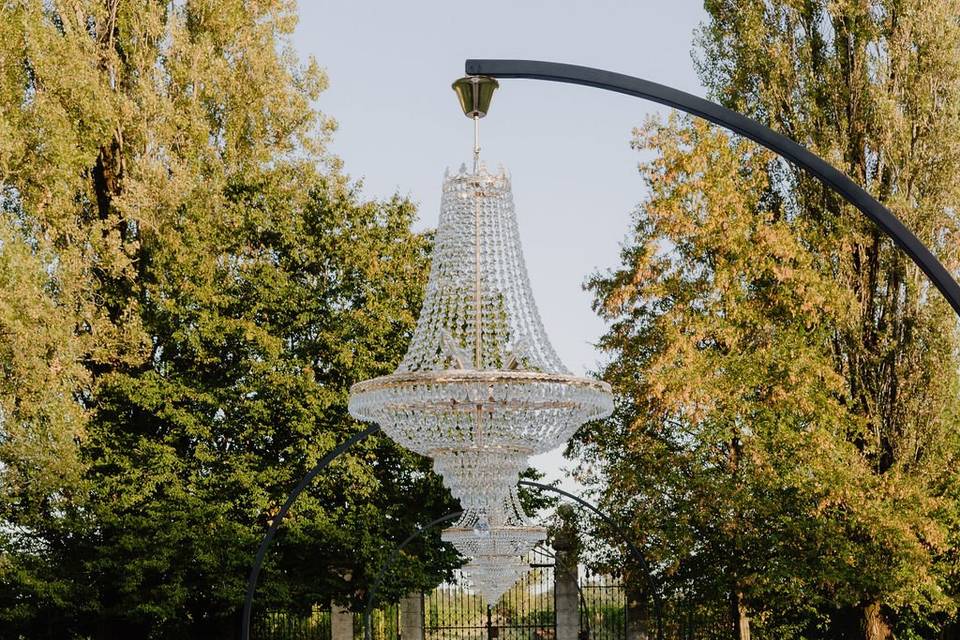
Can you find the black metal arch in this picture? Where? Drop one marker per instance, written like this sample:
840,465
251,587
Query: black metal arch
278,520
386,566
746,127
634,550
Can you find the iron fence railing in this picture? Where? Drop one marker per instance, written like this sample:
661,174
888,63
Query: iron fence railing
603,607
283,625
526,612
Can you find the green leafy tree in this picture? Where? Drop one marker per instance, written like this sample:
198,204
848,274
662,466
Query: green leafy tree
787,438
189,287
874,87
720,386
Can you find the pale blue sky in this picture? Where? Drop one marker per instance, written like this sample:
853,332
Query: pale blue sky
575,180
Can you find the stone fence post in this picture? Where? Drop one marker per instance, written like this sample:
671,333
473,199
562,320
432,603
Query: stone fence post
341,623
566,543
411,617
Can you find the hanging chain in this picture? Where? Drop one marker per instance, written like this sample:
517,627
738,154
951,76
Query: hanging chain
478,299
478,316
476,144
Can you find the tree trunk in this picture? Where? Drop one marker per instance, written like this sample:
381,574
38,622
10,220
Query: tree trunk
738,611
641,624
874,624
738,608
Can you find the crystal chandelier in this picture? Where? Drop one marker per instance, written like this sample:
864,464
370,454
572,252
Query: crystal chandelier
480,388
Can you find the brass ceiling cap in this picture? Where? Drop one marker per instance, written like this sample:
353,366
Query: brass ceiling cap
475,94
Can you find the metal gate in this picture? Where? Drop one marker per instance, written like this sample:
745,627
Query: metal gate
526,612
603,606
282,625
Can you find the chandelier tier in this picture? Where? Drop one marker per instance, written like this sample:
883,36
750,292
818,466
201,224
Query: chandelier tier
491,577
479,478
500,530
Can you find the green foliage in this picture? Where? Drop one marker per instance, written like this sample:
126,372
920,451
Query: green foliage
786,440
40,418
533,501
189,287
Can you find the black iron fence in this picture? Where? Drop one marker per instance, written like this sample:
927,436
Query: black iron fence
527,611
384,623
602,607
282,625
278,625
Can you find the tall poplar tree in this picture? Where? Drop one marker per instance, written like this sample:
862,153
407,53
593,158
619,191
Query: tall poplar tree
188,286
789,418
875,88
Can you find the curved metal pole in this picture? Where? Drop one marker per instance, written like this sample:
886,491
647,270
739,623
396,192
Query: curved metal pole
278,519
642,559
746,127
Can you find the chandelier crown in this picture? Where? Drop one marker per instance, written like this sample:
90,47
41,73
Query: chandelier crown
479,311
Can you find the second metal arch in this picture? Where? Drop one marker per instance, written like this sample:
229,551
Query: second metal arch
634,550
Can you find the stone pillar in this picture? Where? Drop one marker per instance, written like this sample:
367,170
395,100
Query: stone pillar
566,544
640,622
568,602
341,623
411,617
